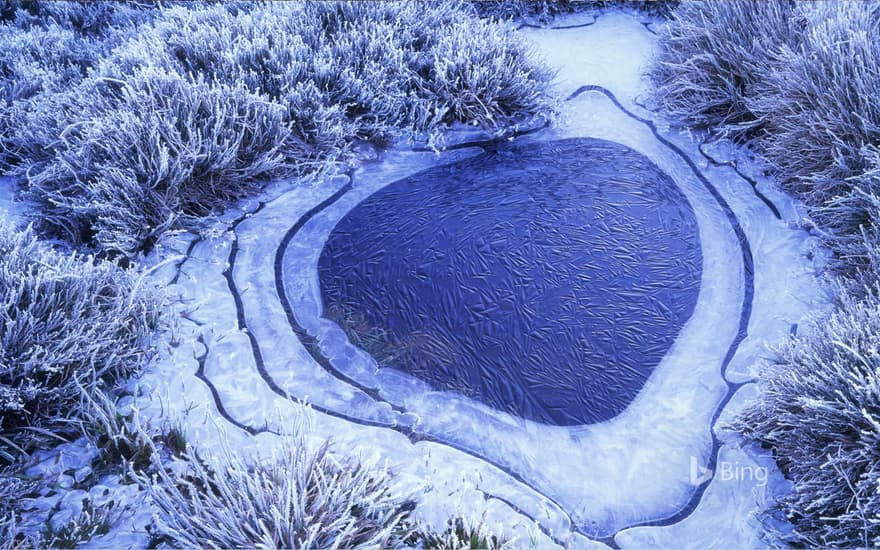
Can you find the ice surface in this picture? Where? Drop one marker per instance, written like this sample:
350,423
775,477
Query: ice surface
240,365
546,280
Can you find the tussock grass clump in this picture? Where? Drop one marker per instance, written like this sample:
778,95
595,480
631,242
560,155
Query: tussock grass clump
89,18
49,47
820,413
42,59
822,103
66,322
301,497
716,57
799,78
32,62
823,134
849,224
160,147
176,114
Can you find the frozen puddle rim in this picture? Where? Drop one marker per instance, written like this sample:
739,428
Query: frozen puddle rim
748,290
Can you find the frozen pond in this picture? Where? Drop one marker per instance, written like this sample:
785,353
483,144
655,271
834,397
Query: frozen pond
545,280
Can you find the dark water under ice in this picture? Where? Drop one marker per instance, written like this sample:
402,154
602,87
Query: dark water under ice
546,280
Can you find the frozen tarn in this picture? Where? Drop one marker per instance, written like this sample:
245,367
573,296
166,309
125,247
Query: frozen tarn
551,483
606,476
209,378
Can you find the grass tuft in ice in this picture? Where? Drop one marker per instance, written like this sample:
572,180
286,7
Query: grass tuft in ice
12,488
461,535
91,521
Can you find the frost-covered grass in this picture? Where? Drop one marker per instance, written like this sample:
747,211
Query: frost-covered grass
302,496
822,101
799,82
820,414
544,11
163,146
800,79
177,113
823,131
87,18
71,327
67,323
716,57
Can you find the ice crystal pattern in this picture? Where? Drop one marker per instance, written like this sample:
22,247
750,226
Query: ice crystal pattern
544,280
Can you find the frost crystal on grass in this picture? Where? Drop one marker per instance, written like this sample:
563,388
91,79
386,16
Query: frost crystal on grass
171,113
66,321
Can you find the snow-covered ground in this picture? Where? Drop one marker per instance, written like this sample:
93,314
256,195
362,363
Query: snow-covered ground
234,372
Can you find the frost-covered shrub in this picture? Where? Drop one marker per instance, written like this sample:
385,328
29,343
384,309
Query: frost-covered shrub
820,414
155,147
301,497
65,322
529,10
715,59
201,104
336,81
821,102
49,47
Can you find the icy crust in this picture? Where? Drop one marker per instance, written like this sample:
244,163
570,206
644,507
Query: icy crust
614,52
550,485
